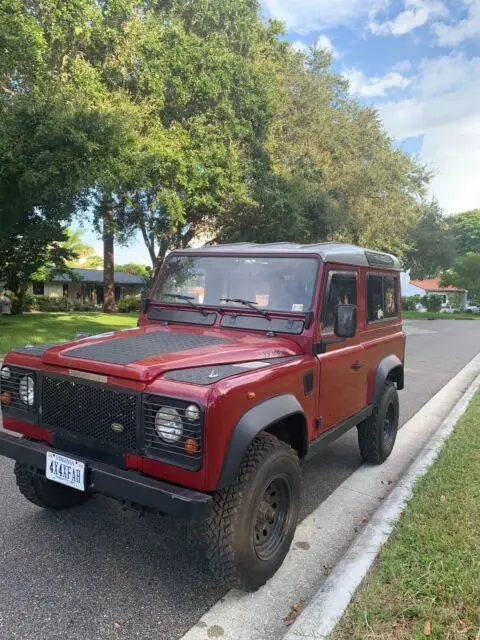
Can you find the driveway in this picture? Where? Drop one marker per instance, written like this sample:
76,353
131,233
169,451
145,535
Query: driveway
100,572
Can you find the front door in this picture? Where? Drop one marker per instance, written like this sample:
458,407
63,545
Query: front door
343,371
99,294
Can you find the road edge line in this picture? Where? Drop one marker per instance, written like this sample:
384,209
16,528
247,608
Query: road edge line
329,604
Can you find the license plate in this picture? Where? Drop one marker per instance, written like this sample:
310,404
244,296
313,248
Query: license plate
65,470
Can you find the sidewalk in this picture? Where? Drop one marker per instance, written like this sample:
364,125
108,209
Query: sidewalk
324,537
327,607
426,581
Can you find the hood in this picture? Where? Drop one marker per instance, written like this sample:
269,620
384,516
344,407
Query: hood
147,352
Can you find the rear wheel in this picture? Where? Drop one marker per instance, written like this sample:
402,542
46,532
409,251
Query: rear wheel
377,434
43,492
254,520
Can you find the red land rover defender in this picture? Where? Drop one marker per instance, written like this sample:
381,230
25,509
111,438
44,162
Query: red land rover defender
246,359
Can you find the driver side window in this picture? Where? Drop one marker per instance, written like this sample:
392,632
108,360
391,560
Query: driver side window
341,289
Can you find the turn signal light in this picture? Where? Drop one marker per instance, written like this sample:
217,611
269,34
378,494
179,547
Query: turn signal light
6,398
192,446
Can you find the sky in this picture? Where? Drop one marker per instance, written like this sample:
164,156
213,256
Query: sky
417,62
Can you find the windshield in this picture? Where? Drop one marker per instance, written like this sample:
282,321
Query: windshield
270,283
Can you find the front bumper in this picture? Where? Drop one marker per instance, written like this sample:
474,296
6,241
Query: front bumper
130,486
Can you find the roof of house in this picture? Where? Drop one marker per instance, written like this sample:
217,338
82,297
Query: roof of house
96,275
433,284
328,252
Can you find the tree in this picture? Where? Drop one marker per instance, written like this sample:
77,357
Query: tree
214,72
37,247
137,270
334,173
465,274
83,253
432,245
465,228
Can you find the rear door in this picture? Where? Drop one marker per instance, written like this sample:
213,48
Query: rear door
343,371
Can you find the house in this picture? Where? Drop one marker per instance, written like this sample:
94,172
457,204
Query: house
87,284
450,295
408,288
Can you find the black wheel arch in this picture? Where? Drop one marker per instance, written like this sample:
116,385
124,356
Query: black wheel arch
390,368
281,415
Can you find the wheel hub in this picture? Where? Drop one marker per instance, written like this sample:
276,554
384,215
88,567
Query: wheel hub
272,518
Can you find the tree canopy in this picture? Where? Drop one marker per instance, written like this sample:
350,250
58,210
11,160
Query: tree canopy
465,274
432,244
188,121
465,228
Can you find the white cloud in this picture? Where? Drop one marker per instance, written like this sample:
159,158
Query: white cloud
374,87
322,42
442,111
450,35
307,16
402,66
416,14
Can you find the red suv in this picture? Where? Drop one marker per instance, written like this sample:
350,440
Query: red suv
246,359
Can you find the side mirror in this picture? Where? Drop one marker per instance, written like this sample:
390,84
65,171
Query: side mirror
345,325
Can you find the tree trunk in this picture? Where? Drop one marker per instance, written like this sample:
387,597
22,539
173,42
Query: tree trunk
108,257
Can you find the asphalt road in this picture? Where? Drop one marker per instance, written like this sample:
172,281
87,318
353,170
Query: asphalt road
99,573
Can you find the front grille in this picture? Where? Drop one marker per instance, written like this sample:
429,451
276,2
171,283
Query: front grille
90,411
10,387
172,453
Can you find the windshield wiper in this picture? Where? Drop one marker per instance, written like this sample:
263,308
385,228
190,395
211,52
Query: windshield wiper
187,299
248,303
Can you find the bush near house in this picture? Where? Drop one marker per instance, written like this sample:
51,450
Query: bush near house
409,303
129,304
433,303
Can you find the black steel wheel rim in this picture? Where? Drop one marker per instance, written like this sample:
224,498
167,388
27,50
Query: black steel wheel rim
273,517
390,425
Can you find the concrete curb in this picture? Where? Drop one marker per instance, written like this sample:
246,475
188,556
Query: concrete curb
324,537
327,607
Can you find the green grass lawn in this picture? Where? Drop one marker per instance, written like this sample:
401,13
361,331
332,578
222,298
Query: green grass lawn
426,581
416,315
57,327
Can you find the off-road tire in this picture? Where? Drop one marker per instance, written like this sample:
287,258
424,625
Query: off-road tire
44,493
229,534
375,439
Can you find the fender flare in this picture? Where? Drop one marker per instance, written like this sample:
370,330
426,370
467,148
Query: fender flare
254,421
384,369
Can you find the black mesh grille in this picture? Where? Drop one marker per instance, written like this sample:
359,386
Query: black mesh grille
10,387
174,453
91,411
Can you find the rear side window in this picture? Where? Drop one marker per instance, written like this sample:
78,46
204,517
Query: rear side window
342,289
382,298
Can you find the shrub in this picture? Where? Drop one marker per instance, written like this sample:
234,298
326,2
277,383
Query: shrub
433,303
409,303
129,304
80,305
52,303
29,302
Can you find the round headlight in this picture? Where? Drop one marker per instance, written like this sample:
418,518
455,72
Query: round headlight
192,413
5,373
26,390
168,424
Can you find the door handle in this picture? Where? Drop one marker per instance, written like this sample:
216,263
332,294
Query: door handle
356,366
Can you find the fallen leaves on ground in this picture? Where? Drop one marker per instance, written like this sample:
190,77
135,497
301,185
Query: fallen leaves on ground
294,612
427,628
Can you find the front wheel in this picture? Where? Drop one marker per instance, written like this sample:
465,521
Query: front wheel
254,519
44,493
377,434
